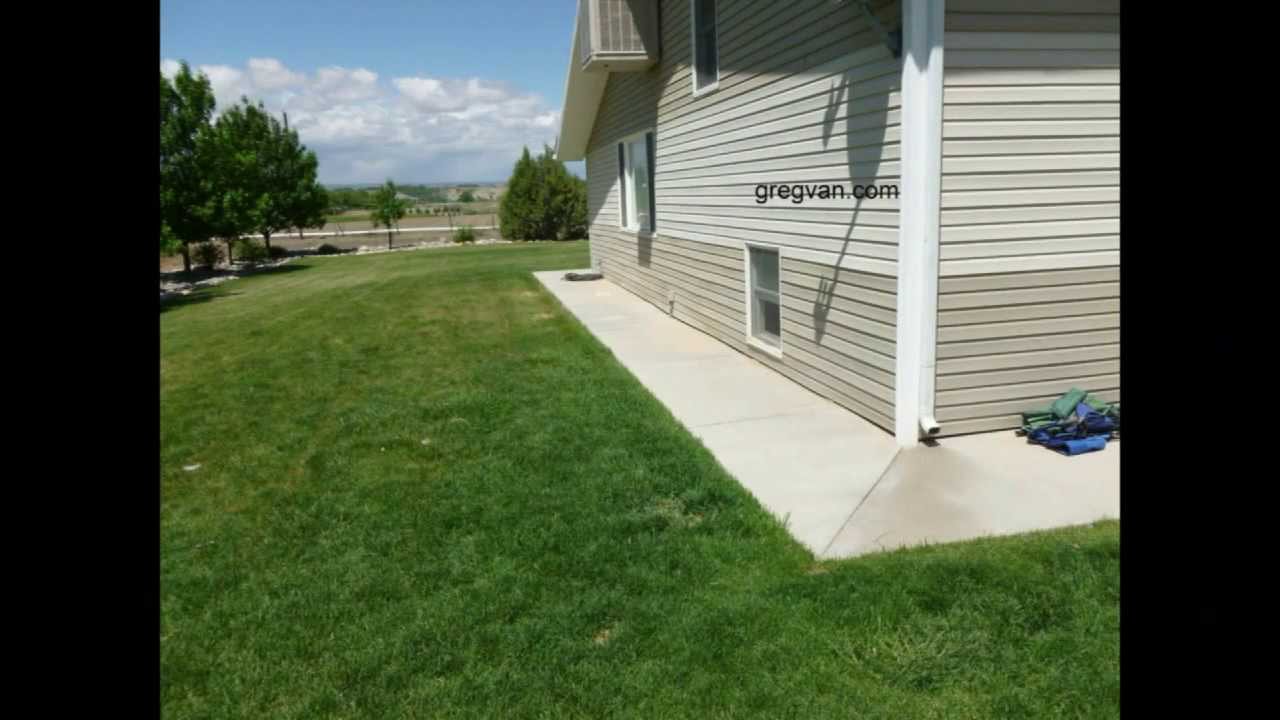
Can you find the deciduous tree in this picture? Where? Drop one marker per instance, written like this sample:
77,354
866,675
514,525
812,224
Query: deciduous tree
186,190
387,209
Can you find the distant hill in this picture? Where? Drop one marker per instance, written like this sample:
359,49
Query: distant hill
366,186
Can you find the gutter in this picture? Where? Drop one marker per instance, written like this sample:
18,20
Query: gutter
919,221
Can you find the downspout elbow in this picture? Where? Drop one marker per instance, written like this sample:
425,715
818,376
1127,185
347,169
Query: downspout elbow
929,426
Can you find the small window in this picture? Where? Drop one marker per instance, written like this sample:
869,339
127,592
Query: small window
765,313
635,182
706,54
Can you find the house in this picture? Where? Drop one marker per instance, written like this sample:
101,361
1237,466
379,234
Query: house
909,207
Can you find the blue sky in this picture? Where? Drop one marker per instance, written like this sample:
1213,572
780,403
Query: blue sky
417,91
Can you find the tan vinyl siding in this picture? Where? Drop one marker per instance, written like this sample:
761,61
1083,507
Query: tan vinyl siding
1029,294
807,94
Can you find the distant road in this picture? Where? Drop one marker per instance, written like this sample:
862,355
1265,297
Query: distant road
380,231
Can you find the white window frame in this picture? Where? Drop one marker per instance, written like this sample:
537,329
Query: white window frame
693,50
749,298
627,192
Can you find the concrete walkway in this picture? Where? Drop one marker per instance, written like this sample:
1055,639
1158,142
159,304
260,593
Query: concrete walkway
838,482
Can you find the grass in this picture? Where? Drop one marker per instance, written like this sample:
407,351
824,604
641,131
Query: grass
424,490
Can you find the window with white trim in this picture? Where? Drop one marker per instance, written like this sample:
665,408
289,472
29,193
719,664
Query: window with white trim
635,183
706,53
765,314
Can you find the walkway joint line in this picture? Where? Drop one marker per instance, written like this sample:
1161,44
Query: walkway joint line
858,507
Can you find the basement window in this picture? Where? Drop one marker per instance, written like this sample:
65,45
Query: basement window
706,52
635,182
764,312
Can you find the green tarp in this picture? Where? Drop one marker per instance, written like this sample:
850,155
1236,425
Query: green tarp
1064,407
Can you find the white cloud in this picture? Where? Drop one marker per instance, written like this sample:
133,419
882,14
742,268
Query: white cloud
412,129
271,74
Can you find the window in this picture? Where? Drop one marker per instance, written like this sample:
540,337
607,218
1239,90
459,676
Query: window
635,182
765,317
706,55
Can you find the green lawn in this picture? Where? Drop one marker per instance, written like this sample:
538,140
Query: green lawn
425,490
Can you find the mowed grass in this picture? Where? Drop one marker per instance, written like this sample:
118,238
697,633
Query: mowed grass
424,490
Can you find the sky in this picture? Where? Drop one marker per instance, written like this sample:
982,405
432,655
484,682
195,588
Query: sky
418,92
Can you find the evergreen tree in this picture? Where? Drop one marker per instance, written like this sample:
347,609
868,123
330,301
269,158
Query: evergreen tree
543,201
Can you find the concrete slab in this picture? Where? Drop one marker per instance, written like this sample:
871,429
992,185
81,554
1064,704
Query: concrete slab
837,481
981,485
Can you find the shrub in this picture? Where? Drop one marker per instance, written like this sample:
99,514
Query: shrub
275,252
464,234
327,249
208,254
543,201
248,250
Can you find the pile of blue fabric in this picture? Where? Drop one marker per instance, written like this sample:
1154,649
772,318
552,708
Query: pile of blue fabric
1075,423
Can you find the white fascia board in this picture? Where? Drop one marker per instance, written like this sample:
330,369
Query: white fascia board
582,93
919,217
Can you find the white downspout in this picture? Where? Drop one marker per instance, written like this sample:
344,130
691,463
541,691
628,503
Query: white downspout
918,227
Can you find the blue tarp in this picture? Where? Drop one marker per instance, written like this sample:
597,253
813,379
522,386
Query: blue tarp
1074,424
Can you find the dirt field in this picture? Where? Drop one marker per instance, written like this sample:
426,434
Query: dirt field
412,230
410,221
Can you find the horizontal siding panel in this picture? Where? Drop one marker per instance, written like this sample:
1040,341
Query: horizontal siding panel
1031,358
957,76
1027,213
955,112
955,302
956,129
828,275
1027,230
1028,146
1030,41
1000,346
870,159
969,96
953,184
1033,58
1004,198
811,145
1045,373
1017,391
1106,7
813,302
1014,22
812,289
845,212
1006,313
1029,163
1045,326
948,285
876,120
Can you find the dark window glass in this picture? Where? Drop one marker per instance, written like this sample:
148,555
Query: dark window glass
706,58
622,181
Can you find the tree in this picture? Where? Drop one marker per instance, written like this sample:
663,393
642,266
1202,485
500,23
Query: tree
516,209
187,207
237,159
387,209
543,201
265,176
304,200
466,196
310,208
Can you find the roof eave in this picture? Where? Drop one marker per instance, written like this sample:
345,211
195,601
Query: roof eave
582,93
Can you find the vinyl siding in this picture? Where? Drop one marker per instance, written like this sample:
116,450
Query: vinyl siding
807,93
1029,294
